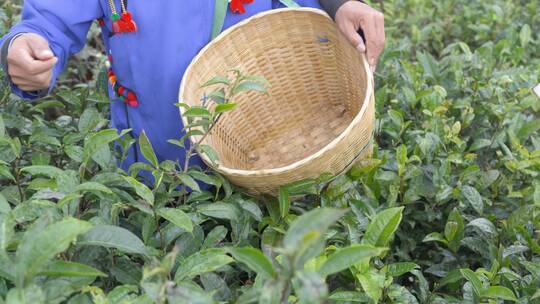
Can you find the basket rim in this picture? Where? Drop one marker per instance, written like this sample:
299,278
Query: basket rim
299,163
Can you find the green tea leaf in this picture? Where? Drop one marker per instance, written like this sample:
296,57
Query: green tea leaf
249,86
484,225
41,246
525,35
307,186
89,120
220,210
254,259
189,182
225,107
310,287
71,269
533,268
284,202
473,278
197,112
177,217
7,231
210,152
450,230
2,127
114,237
317,220
372,283
30,294
48,171
498,292
92,187
101,140
272,291
147,150
349,296
457,230
215,236
347,257
400,268
382,227
141,189
202,262
452,277
218,79
474,198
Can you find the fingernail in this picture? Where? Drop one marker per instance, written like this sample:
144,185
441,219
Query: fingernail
46,53
361,47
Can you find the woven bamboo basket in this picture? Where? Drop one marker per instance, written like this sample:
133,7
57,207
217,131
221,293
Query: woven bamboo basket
319,115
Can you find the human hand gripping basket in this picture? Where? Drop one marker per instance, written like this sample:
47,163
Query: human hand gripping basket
319,115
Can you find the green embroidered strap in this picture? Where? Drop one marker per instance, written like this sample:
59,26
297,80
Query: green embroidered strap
220,11
289,3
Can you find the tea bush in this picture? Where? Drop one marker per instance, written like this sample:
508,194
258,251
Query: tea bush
447,211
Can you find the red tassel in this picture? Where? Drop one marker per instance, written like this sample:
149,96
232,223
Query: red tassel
121,90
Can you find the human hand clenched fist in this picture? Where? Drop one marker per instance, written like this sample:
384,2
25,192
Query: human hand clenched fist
355,15
30,62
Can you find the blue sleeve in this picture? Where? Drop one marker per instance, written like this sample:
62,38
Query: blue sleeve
63,23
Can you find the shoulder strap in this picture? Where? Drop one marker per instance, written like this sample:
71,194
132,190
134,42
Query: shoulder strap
220,11
289,3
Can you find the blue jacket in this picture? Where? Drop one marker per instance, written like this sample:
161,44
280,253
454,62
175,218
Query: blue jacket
151,62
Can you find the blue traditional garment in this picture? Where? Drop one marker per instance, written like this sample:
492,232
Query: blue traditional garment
150,62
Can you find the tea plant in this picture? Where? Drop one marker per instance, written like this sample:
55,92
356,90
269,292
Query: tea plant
447,211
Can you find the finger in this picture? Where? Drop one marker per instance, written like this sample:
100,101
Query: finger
28,88
380,33
38,82
374,32
26,64
39,48
361,46
350,32
21,83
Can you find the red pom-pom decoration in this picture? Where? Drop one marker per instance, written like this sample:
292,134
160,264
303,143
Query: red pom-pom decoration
129,26
131,99
237,6
133,103
116,27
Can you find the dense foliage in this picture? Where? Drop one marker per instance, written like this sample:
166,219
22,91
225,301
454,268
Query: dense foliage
447,211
